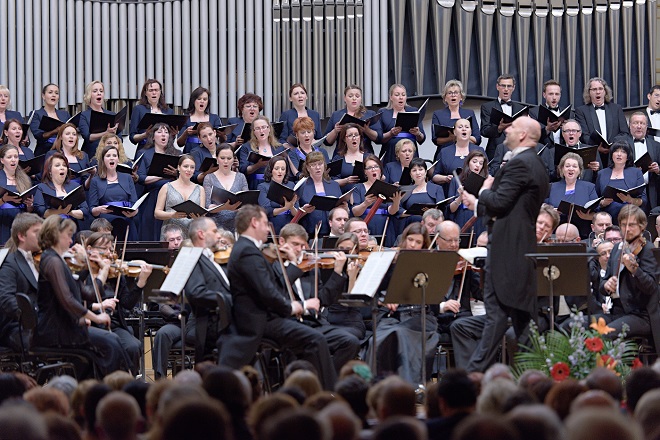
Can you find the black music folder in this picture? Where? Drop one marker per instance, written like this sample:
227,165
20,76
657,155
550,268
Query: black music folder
226,129
442,131
278,192
190,207
545,113
49,124
334,169
100,121
420,208
565,206
327,203
160,162
149,119
28,192
348,119
611,192
644,162
255,157
497,115
588,153
129,169
221,195
75,174
473,183
75,198
207,164
382,188
602,140
36,164
408,120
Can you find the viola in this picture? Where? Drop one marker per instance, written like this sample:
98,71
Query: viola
221,256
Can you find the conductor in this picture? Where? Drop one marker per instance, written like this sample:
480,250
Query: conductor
511,202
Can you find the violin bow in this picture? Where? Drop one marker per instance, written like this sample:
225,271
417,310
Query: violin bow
94,286
460,290
121,262
287,282
382,239
317,229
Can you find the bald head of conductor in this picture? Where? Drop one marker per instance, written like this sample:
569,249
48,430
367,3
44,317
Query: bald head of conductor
523,132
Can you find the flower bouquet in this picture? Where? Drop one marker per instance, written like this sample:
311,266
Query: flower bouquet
562,355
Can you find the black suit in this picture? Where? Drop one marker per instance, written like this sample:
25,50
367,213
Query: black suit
616,123
639,295
546,137
343,345
261,309
490,130
513,203
17,277
653,148
205,290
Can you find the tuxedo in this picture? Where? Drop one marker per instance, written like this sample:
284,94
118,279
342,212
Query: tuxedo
511,205
616,123
546,137
17,277
489,130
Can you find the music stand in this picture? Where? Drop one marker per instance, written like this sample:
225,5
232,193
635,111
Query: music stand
565,266
416,274
174,284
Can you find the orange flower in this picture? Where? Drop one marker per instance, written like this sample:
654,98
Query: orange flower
637,364
601,327
594,344
608,362
560,371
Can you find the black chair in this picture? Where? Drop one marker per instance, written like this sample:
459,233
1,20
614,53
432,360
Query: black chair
46,362
271,360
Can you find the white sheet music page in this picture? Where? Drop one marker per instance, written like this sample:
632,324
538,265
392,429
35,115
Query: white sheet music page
373,272
181,269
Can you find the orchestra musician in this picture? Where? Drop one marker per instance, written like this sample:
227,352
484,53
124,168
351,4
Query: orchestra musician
99,251
63,320
601,221
631,281
261,308
513,200
392,133
152,100
342,343
199,110
19,274
50,95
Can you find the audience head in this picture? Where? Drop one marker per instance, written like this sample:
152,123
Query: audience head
396,398
353,389
118,417
561,396
485,426
224,385
22,422
344,424
494,395
456,393
399,428
647,412
47,400
595,423
536,422
606,380
196,418
297,424
266,408
638,382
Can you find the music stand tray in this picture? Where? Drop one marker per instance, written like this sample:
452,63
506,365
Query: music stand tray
561,269
421,277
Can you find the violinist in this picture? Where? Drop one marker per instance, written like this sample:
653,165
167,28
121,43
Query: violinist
631,280
343,345
464,297
546,222
129,292
207,290
399,330
19,274
261,308
357,226
63,320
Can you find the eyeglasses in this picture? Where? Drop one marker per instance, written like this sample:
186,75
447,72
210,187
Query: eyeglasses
252,106
596,89
353,135
506,86
361,231
449,240
572,130
372,168
266,127
316,165
453,93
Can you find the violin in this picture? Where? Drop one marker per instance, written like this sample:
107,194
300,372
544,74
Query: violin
635,246
464,265
271,252
221,256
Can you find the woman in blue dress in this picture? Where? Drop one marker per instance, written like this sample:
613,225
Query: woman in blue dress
277,171
110,187
13,178
303,130
363,203
262,142
423,192
12,134
354,107
160,140
199,110
453,156
621,174
318,183
391,133
454,96
207,149
152,100
574,190
249,106
94,99
298,98
475,162
404,151
50,95
66,144
5,113
349,150
55,182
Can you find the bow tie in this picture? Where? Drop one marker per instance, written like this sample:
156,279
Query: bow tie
641,141
505,103
554,109
599,107
653,112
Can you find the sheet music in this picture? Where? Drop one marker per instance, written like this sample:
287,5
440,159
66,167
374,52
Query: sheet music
181,269
3,254
470,254
373,272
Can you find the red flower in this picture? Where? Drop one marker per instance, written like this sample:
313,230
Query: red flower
637,364
560,371
594,344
